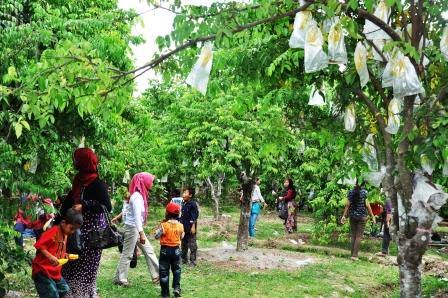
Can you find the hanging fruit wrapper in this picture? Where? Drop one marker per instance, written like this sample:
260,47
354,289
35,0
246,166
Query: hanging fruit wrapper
426,163
444,43
427,197
393,120
445,168
378,49
34,164
350,118
337,52
369,153
375,178
400,74
82,142
301,22
199,75
361,63
372,31
315,57
315,98
126,177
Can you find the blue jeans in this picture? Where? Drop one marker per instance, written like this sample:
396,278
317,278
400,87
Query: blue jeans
255,210
170,257
50,288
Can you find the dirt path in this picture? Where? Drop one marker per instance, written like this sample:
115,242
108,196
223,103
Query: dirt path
255,258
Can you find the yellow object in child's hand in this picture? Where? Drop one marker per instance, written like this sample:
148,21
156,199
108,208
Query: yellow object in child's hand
73,257
62,261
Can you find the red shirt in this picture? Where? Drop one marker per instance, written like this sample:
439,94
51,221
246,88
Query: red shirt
53,241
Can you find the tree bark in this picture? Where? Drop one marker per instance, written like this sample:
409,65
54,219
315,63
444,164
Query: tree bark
216,192
243,227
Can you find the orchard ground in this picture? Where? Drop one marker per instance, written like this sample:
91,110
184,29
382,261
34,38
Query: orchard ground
275,265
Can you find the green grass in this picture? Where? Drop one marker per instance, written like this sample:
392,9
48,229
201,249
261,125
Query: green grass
333,274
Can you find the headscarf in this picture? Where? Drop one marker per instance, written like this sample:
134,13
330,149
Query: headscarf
86,162
142,183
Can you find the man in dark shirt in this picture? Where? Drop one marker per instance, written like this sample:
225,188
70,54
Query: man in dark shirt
189,218
387,216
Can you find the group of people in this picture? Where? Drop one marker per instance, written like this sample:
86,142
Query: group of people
57,273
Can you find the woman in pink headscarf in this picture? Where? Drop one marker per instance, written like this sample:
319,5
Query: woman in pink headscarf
135,216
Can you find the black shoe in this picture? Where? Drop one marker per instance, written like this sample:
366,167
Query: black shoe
193,264
177,293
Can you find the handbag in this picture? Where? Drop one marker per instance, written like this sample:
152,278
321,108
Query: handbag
74,243
106,237
282,209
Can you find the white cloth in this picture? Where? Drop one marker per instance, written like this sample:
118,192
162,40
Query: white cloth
256,194
135,212
131,238
124,210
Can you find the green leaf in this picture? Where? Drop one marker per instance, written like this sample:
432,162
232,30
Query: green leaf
18,129
25,124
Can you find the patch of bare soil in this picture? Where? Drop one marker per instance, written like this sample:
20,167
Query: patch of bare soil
255,258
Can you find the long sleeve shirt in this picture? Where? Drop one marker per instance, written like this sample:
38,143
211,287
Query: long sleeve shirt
289,195
256,195
190,214
135,212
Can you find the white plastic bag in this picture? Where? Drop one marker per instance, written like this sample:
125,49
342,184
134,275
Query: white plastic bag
426,163
315,98
369,153
126,177
378,49
336,45
301,22
444,43
400,74
393,120
315,57
375,178
350,118
372,31
34,164
361,63
445,168
426,198
199,75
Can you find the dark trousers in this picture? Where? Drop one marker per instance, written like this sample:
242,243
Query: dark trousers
357,225
50,288
386,240
169,258
20,228
189,243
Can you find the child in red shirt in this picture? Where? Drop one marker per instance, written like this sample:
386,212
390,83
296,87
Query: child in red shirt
50,249
170,233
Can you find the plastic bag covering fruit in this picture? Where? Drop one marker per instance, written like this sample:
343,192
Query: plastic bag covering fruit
445,168
62,261
444,43
427,199
372,31
426,163
73,257
350,118
393,120
378,49
315,98
375,178
369,153
400,74
315,57
361,63
199,75
337,52
301,22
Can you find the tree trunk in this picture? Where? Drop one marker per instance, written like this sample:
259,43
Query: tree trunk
243,227
216,192
410,253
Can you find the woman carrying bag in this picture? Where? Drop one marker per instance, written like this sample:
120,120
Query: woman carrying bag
136,215
89,196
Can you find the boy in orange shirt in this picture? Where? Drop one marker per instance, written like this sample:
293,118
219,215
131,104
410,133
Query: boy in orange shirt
170,233
50,249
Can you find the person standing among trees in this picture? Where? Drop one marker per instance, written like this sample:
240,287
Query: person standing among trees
256,200
288,199
135,216
189,217
387,219
357,206
88,195
170,232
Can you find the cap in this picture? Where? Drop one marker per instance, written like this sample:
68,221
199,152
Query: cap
173,208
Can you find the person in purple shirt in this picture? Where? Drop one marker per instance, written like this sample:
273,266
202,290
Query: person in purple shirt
387,217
